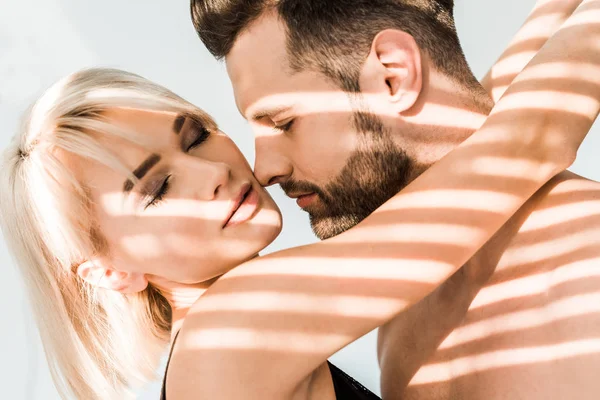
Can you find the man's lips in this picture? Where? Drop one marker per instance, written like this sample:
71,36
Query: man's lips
243,206
305,200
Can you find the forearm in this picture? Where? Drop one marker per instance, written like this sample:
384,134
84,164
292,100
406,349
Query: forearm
556,98
545,19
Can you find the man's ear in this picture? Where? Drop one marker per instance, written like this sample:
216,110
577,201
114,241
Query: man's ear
393,69
97,273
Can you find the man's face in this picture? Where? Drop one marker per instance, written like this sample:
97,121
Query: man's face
323,148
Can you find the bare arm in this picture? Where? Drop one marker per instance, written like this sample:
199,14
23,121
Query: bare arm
403,351
262,329
546,18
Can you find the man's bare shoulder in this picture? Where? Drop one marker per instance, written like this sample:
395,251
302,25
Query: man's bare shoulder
542,297
559,238
567,191
563,227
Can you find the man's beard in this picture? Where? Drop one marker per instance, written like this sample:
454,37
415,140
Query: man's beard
374,173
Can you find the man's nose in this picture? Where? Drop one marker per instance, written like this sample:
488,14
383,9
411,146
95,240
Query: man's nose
272,164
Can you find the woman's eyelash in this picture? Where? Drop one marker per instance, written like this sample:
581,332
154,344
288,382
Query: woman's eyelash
203,134
160,194
285,127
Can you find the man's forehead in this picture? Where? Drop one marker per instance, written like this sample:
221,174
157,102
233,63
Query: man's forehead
257,63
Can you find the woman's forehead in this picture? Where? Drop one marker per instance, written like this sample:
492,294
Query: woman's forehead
142,121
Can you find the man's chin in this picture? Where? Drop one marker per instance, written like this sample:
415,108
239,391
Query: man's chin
325,227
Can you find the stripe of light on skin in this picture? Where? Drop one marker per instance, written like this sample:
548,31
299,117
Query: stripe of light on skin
584,14
570,102
373,306
575,306
582,241
546,100
574,186
536,29
262,340
532,30
559,214
538,252
473,200
178,207
406,269
461,199
549,70
493,166
482,200
538,283
419,233
442,372
153,247
187,245
278,301
333,102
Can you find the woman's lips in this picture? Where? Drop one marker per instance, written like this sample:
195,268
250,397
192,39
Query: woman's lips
306,200
245,210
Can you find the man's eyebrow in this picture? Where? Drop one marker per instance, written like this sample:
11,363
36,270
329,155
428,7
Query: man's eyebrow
270,112
141,171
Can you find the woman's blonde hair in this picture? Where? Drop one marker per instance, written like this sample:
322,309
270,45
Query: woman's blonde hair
99,344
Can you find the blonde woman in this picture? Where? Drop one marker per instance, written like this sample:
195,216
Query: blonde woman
135,221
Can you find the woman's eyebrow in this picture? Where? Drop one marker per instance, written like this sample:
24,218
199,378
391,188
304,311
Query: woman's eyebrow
141,171
178,123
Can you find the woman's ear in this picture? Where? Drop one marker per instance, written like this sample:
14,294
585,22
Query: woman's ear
393,69
97,273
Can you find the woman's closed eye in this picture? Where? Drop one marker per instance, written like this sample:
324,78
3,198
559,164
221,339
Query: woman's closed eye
158,191
285,126
195,133
200,138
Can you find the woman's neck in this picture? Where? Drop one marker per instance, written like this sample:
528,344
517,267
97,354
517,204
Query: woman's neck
181,300
181,297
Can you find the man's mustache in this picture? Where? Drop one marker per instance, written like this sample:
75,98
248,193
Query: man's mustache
293,188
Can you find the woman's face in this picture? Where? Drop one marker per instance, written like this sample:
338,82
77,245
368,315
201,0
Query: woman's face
196,212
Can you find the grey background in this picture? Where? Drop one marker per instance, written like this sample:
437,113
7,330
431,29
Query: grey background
40,41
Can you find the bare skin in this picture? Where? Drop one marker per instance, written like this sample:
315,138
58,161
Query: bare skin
538,300
257,334
428,116
531,331
263,327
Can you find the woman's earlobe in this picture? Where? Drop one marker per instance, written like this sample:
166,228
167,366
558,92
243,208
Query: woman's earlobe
134,283
98,274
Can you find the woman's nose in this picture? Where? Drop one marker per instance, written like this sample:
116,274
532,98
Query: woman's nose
207,178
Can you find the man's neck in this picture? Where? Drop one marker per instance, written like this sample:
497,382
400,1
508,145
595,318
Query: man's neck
445,115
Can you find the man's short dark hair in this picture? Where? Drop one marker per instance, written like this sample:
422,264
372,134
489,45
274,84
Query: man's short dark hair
334,37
